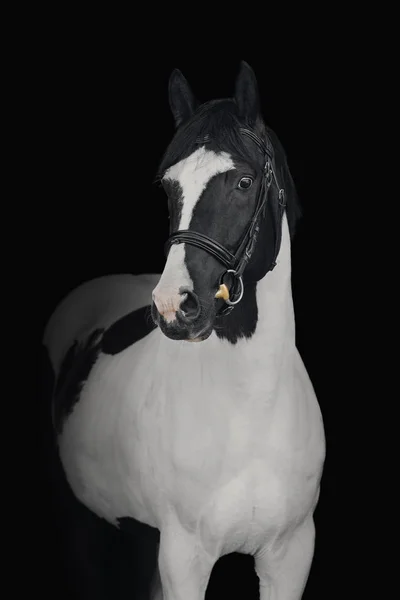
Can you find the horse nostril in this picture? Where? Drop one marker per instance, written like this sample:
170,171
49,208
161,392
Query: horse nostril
190,306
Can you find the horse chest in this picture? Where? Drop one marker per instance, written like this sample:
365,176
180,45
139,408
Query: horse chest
189,445
222,478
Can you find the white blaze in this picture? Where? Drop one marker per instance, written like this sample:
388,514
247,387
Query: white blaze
193,174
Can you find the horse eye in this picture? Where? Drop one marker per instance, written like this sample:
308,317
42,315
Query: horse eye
245,183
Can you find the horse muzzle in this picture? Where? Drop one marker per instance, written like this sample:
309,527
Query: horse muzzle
183,318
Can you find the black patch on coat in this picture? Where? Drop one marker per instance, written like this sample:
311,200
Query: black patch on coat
81,356
242,321
128,330
74,371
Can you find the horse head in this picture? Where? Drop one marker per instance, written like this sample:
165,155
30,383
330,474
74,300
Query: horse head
225,175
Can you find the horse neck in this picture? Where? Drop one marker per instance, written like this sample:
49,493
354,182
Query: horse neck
276,324
260,362
264,321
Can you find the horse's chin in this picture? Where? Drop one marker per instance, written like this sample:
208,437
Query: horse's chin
201,337
175,331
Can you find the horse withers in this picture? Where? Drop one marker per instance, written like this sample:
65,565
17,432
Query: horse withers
180,399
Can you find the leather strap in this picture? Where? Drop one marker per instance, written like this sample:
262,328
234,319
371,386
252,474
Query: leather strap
186,236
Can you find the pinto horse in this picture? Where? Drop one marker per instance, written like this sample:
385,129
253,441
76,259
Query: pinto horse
181,400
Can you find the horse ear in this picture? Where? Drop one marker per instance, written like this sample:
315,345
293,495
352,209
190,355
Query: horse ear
181,98
246,93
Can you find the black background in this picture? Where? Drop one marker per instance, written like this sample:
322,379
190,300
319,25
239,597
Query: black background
104,125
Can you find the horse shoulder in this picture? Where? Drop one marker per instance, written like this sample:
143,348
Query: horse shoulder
93,306
102,316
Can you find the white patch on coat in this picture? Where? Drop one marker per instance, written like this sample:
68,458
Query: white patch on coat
193,174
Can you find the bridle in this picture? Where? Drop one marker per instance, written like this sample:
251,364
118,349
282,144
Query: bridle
236,263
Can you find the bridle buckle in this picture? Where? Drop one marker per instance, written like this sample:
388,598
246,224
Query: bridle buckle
223,289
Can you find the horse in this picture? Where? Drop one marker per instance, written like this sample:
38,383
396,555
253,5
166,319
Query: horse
180,399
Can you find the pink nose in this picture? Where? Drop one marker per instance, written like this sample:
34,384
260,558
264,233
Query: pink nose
167,303
186,304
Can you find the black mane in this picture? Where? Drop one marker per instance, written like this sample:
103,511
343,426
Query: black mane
218,124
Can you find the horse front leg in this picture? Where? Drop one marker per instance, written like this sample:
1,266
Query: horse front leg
185,567
283,573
